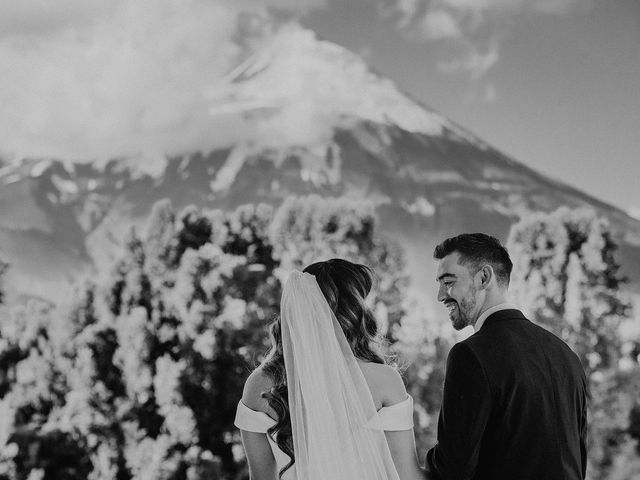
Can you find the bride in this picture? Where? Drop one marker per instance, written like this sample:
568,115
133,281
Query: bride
324,405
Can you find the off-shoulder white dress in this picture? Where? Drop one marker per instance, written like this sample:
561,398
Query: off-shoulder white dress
391,418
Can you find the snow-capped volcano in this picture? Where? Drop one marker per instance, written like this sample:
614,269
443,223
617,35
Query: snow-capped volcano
307,87
297,91
300,116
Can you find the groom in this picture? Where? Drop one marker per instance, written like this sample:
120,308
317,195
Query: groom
514,404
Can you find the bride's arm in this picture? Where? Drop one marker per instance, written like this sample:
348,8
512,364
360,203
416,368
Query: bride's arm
262,463
402,443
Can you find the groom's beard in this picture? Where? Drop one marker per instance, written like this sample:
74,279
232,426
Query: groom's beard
460,312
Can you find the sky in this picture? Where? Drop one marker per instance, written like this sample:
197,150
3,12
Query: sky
553,83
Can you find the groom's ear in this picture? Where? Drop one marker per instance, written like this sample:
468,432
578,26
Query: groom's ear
485,274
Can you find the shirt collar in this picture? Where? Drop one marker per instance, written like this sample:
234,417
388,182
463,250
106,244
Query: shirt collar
489,311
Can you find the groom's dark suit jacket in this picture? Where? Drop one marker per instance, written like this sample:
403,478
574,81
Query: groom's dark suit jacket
514,406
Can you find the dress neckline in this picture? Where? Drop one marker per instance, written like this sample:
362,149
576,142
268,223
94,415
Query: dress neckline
387,407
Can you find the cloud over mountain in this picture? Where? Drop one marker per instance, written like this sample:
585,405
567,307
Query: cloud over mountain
91,80
86,79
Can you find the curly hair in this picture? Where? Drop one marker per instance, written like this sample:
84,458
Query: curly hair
345,285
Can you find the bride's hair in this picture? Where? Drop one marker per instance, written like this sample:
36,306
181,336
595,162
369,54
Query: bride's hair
345,285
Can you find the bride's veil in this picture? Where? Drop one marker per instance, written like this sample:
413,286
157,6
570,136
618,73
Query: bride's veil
332,411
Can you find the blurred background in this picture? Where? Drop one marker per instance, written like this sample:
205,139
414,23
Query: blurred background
164,164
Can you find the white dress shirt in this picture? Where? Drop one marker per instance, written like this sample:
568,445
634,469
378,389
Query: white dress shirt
489,311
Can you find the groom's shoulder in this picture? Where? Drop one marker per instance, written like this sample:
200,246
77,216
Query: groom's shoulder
506,336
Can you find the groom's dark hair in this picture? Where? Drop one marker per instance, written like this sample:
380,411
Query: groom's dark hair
476,250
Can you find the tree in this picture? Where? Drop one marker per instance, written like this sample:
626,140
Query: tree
309,229
613,446
566,278
140,376
33,387
422,347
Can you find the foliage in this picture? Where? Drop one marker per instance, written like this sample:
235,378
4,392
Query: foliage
139,378
33,386
613,445
566,278
422,347
306,230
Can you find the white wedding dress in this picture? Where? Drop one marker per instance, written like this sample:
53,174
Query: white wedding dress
336,431
392,418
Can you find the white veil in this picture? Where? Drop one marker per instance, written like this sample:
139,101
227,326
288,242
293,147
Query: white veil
331,406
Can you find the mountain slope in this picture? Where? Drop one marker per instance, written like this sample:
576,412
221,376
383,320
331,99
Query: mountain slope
301,116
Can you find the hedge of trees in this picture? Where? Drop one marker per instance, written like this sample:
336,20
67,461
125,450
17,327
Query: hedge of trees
566,278
139,374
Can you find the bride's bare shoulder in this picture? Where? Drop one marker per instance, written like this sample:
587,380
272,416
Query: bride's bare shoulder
257,383
385,383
